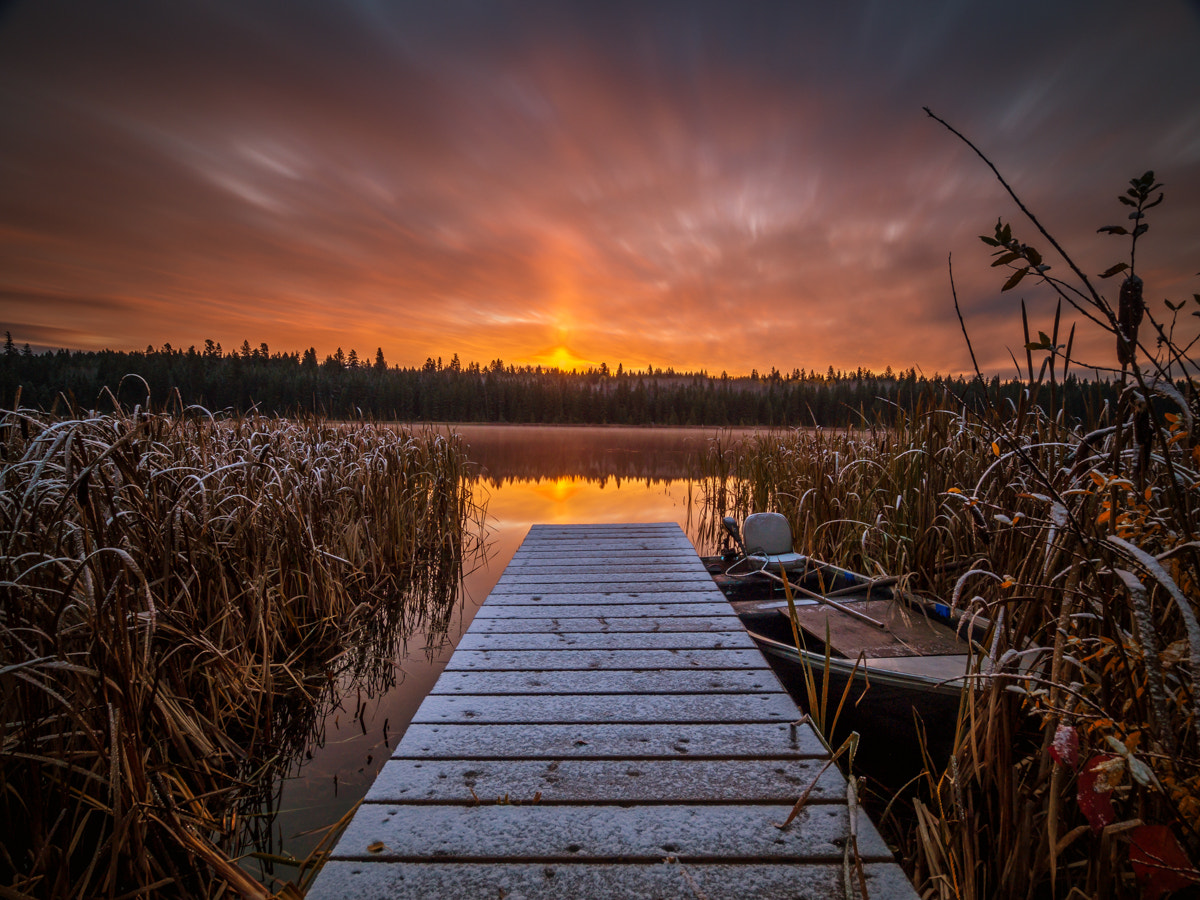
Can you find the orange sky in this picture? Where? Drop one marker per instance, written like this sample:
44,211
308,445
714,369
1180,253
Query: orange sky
712,185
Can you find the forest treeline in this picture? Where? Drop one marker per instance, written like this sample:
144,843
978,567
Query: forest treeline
345,386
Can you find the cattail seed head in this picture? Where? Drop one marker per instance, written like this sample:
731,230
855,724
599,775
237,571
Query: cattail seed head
1129,317
981,529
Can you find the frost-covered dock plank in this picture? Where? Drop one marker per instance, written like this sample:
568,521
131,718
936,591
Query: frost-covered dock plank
605,729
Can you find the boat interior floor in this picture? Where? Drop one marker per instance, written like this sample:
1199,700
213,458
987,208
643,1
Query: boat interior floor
907,633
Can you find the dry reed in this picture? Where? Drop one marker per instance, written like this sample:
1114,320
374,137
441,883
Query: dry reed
1076,767
177,594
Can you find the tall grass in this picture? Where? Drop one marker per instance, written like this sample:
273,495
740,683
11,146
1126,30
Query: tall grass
1076,766
175,592
870,499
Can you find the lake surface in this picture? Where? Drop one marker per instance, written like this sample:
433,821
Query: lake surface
528,474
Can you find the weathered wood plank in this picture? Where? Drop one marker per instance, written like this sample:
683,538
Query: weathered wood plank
606,781
604,561
588,541
599,606
592,881
581,624
635,601
673,580
610,833
668,681
554,531
631,640
571,569
604,709
605,659
566,534
633,542
585,541
598,557
548,531
560,533
723,741
686,584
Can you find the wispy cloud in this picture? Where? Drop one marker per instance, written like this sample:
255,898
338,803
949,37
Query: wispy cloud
697,185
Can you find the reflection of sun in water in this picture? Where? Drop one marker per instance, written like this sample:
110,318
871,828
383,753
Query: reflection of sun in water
559,490
562,489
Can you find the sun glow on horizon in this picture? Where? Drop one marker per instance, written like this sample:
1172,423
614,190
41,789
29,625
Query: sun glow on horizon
562,357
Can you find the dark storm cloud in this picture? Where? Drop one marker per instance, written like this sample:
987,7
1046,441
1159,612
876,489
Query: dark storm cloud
716,184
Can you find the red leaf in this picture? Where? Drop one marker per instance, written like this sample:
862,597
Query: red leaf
1095,796
1065,749
1159,862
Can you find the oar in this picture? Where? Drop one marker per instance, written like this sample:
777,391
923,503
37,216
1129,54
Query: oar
882,581
861,616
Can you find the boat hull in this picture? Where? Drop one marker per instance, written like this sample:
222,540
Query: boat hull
900,715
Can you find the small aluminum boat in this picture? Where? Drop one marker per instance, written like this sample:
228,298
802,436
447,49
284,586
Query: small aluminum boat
905,659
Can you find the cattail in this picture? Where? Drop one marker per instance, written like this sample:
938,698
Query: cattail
981,528
1129,317
1143,435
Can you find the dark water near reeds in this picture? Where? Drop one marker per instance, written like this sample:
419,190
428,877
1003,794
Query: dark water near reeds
528,474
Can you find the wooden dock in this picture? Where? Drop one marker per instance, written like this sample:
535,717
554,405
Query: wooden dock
605,729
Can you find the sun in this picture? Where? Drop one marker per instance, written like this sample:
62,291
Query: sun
561,357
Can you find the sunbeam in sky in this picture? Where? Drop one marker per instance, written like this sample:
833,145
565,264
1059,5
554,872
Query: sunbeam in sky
718,186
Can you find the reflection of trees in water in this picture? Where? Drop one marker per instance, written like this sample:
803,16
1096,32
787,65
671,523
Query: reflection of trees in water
514,454
365,671
602,480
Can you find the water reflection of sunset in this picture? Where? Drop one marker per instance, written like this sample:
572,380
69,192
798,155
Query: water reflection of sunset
561,490
567,500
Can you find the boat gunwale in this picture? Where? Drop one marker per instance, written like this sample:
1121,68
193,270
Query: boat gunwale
861,670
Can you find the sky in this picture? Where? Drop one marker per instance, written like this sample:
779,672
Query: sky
698,185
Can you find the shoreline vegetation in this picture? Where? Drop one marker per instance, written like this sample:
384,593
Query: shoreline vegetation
345,387
1076,764
182,596
1075,771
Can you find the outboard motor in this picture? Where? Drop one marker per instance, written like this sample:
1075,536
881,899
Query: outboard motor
731,526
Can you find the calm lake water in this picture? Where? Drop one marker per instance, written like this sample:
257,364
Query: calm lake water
529,474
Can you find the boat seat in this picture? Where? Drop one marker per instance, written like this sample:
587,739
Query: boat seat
769,535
